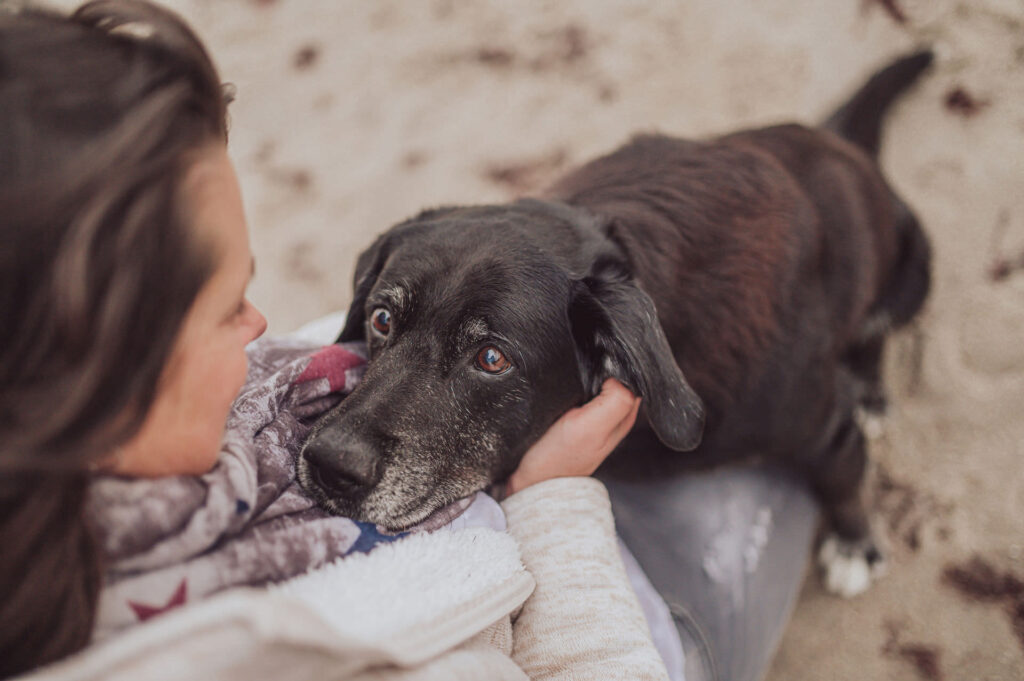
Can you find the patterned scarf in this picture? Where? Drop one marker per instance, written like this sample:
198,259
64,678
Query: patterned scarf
172,540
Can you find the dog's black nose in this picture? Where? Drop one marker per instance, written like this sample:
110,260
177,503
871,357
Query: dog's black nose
342,463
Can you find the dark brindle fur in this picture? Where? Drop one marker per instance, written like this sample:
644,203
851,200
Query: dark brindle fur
765,266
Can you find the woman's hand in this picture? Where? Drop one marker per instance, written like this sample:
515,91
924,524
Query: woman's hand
580,440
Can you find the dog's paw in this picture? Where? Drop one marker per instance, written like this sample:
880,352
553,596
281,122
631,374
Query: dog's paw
871,422
850,567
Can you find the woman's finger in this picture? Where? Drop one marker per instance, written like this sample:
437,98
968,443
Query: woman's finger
627,423
611,405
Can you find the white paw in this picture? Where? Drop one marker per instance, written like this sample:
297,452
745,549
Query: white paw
849,567
871,423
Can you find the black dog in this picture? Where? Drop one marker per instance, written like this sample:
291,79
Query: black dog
743,286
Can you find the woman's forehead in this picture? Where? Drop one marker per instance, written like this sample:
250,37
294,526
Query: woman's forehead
210,188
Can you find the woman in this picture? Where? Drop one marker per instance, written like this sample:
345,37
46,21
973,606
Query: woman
124,260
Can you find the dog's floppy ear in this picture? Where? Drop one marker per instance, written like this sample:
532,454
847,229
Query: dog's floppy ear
368,267
618,335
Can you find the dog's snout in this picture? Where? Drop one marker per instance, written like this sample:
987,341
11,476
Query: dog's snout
343,464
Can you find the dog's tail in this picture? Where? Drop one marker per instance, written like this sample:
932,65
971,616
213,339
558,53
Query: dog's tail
860,119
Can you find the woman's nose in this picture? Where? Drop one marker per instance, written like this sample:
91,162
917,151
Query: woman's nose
259,323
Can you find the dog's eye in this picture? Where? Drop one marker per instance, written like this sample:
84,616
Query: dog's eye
381,320
492,361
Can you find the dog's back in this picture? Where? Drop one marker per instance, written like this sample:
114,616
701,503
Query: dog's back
778,260
771,255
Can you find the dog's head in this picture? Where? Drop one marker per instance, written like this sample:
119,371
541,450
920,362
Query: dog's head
483,325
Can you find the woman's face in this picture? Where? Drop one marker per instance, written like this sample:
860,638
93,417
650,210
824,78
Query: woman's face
182,433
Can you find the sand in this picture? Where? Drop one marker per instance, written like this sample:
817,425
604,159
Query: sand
353,115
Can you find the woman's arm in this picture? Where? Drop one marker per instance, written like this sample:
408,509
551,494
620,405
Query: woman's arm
583,620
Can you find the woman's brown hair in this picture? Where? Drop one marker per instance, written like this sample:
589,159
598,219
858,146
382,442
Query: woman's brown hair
100,114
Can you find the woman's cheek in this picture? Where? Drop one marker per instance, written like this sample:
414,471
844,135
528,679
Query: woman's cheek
225,378
240,368
202,461
230,379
